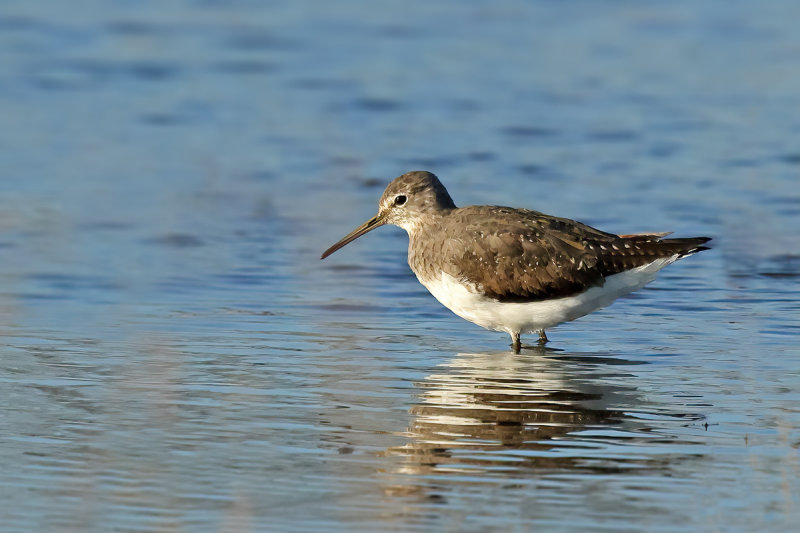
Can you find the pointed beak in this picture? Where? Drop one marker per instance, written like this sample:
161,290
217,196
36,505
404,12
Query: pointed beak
366,227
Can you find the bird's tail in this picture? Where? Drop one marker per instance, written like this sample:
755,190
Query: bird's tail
687,246
681,246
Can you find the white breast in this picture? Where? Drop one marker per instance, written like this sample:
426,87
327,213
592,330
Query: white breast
512,317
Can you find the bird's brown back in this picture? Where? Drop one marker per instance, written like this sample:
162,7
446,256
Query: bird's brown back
521,255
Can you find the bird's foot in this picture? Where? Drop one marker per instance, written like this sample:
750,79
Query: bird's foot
542,338
516,343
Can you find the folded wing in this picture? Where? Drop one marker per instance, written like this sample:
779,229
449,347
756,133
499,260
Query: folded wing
522,255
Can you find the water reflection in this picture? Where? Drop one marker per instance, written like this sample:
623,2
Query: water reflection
543,412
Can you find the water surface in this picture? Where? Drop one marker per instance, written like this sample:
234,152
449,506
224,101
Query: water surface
176,357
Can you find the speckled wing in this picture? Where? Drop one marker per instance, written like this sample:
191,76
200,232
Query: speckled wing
521,255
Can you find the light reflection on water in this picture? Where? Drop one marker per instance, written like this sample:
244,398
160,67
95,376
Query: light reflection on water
535,420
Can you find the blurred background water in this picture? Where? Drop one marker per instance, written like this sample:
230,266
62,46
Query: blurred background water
175,357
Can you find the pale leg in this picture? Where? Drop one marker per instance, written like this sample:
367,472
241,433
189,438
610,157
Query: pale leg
542,337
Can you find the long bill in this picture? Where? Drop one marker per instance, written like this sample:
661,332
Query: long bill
366,227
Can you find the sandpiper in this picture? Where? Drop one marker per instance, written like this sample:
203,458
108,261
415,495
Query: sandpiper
515,270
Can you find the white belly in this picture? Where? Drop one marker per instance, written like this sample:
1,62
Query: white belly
513,317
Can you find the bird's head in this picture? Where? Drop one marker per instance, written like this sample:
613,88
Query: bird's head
406,202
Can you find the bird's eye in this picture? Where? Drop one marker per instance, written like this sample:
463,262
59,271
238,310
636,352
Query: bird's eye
400,199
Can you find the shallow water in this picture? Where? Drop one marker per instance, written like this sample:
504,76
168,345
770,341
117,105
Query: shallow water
176,357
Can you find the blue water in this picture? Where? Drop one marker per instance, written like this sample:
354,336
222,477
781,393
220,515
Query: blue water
175,357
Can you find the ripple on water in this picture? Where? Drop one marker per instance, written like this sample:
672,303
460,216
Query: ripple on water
175,356
177,240
513,416
82,74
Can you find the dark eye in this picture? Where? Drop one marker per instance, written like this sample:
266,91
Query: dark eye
400,199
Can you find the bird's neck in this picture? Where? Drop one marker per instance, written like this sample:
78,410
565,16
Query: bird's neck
424,222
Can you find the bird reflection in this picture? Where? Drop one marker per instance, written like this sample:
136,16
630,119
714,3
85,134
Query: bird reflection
504,414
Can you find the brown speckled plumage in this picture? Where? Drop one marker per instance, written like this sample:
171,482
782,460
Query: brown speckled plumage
522,255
